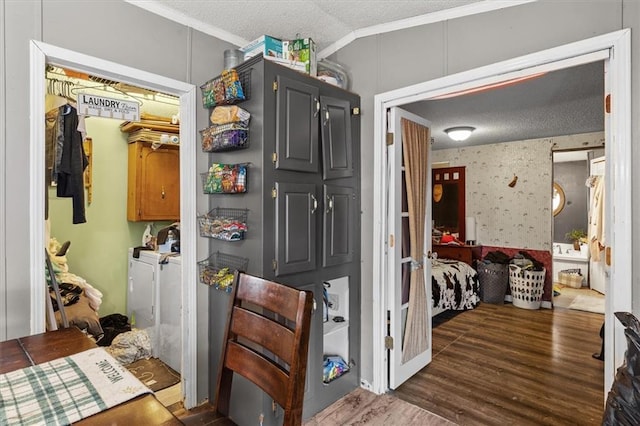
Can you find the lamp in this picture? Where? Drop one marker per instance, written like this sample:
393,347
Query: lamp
459,133
470,230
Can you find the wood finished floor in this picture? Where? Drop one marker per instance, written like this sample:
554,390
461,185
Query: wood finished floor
502,365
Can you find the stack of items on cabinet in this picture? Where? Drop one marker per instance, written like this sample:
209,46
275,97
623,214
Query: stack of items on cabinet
299,53
154,129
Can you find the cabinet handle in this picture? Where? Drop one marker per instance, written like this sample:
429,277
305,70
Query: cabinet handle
163,193
315,204
315,114
326,117
329,204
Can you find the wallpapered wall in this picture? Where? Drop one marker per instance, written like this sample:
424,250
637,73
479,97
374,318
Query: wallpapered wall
518,217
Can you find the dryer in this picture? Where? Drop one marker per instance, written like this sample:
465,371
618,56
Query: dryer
154,303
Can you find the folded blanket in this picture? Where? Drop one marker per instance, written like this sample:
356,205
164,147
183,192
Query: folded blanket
66,390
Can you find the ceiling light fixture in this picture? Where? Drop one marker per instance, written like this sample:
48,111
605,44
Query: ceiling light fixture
459,133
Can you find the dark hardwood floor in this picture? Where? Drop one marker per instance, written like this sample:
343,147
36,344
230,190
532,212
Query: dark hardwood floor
203,415
502,365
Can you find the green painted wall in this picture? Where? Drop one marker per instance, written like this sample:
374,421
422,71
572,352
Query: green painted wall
99,247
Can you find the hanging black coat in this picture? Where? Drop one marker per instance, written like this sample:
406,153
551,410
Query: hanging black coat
72,164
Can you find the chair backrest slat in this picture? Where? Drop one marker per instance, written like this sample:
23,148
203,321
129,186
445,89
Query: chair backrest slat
263,331
269,295
261,371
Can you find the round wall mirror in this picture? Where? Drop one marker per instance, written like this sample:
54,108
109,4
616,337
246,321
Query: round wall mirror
558,199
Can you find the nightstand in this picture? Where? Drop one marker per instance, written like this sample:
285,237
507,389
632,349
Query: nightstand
466,254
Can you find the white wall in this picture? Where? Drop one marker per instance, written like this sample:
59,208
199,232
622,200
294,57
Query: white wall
398,59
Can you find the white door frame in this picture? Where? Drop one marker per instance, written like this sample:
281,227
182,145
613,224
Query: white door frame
615,48
42,54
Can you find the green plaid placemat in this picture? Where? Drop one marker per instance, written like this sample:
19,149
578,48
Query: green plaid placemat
66,390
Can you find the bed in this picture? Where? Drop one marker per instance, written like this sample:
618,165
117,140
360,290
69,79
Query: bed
454,286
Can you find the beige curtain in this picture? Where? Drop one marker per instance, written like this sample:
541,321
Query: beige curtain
415,147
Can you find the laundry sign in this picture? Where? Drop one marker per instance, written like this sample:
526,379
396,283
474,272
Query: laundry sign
99,106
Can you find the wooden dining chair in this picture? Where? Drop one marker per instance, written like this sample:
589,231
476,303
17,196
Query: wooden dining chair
266,341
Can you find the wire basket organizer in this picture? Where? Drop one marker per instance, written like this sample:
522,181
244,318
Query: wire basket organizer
228,88
217,270
494,281
226,224
527,287
225,137
225,179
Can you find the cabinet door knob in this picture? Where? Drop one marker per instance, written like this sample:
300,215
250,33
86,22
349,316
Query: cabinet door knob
162,193
315,204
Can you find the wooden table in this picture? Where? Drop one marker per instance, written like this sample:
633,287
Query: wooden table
32,350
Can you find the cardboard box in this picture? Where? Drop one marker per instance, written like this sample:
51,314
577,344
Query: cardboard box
298,66
264,45
302,50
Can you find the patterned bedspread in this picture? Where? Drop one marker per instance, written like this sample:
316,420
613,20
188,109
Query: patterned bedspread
454,285
66,390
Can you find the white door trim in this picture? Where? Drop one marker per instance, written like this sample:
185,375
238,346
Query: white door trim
42,54
616,47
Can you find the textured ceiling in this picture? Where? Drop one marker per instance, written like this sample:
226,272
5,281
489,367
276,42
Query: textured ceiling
563,102
325,21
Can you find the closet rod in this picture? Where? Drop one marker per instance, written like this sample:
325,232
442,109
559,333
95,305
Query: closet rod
72,88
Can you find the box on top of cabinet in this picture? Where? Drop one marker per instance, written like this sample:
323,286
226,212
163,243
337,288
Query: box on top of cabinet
301,50
264,45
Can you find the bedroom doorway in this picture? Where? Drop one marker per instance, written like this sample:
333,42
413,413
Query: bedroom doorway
617,74
578,272
41,55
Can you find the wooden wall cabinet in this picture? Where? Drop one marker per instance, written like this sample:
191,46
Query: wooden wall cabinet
153,182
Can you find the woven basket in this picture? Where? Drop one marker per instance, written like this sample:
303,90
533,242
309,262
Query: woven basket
570,279
526,287
494,280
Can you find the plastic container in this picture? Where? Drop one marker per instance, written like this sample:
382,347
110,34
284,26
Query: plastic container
333,73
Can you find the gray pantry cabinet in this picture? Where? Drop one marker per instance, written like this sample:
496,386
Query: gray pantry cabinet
303,201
